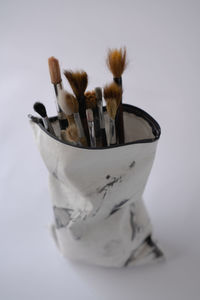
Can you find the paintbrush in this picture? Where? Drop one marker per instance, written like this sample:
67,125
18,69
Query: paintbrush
90,120
69,105
56,80
72,134
41,110
78,82
116,62
101,119
112,96
91,102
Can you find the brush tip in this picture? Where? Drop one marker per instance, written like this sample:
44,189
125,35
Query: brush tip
54,70
72,133
116,61
40,109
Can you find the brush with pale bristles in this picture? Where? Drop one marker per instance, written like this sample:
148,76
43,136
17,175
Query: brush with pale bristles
69,105
78,82
56,80
41,110
112,96
116,62
72,135
90,120
103,140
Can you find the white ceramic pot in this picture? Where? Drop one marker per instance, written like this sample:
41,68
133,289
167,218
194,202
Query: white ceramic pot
100,217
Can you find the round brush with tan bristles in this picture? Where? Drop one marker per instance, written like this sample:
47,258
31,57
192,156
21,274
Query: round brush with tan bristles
56,80
116,62
72,135
78,82
112,96
69,105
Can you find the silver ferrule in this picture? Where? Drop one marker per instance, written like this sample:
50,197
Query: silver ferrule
47,125
57,88
101,114
92,134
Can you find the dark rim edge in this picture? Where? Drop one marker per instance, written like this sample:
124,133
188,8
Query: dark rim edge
156,130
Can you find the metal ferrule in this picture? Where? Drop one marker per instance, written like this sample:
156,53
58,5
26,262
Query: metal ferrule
79,125
48,125
92,134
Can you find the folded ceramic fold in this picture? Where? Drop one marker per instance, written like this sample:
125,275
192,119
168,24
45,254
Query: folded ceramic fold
100,217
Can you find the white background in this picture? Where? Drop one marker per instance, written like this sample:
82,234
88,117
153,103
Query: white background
162,39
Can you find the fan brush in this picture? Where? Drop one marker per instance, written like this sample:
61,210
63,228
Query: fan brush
78,82
116,62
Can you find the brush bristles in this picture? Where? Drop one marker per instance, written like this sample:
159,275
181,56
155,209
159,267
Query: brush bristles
113,91
68,103
90,99
111,106
98,93
40,109
78,82
54,70
72,133
116,61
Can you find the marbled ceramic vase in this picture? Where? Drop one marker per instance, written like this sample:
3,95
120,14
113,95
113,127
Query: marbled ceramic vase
100,217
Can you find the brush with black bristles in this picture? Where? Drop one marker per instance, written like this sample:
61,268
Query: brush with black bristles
116,62
90,120
69,105
41,110
103,139
112,96
78,82
91,103
56,80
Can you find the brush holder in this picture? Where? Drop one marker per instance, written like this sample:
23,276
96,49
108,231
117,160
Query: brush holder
100,216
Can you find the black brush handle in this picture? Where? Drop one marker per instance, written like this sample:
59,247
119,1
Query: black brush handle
103,137
82,113
119,120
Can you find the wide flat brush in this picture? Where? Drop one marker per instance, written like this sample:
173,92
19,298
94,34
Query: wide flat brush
56,80
70,107
101,119
41,110
78,82
116,62
72,135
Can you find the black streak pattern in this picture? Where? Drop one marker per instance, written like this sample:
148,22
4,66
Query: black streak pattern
157,252
132,225
132,165
117,207
62,216
106,187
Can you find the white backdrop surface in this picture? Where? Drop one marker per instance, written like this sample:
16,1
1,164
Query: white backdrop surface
162,39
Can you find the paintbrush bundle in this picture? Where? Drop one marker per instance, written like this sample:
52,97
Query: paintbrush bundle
99,153
83,121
